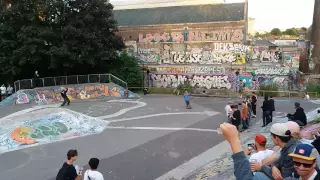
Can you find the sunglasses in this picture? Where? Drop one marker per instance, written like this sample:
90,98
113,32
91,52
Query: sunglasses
304,164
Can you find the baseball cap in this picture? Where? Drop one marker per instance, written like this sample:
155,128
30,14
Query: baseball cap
293,127
305,151
280,129
261,139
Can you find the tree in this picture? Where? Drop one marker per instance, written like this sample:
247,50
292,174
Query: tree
129,70
22,46
276,32
82,36
304,29
291,32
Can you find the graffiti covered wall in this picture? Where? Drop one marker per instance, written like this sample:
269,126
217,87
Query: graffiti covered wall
231,35
199,53
46,125
51,95
283,78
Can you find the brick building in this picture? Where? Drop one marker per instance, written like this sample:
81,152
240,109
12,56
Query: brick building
183,32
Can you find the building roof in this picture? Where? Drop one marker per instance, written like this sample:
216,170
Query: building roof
264,42
139,4
181,14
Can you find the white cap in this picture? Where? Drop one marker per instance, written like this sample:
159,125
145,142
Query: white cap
280,129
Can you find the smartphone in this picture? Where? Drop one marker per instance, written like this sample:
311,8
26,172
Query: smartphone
250,146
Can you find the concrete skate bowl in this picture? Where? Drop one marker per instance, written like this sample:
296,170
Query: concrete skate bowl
42,125
51,95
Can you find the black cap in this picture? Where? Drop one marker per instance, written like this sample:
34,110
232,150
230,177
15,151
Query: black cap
297,104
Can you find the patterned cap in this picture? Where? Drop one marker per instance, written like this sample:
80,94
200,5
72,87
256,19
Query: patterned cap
305,151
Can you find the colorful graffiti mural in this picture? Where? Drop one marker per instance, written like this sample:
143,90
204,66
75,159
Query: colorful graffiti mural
171,77
51,95
231,35
205,81
45,126
205,53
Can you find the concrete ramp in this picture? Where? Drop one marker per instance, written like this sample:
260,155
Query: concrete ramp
51,95
46,124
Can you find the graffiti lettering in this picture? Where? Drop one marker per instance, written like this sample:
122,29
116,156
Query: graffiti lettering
219,35
190,69
22,98
205,70
265,56
209,82
230,47
157,37
272,71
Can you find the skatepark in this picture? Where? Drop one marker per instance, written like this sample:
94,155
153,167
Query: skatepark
140,137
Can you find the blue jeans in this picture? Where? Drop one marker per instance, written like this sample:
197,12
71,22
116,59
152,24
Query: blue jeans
260,176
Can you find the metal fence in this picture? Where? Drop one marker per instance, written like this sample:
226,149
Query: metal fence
68,80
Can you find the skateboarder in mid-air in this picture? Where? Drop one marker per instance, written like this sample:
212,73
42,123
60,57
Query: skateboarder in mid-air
65,97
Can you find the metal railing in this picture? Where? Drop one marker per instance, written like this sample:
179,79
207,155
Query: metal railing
68,80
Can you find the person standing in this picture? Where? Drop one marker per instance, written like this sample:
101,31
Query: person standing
3,91
228,111
254,101
186,97
35,79
9,90
92,173
244,116
236,116
68,170
65,97
266,111
272,108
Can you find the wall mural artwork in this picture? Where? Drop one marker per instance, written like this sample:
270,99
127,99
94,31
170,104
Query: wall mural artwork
51,95
45,126
229,35
203,81
209,53
284,79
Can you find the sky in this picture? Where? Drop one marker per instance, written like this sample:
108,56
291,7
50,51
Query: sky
282,14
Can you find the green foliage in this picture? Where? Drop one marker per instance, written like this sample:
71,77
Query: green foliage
128,70
291,32
276,32
316,121
58,37
268,90
313,87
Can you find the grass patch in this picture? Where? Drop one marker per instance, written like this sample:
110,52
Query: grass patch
316,121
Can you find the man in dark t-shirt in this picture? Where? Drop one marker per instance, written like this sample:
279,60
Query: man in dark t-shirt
68,171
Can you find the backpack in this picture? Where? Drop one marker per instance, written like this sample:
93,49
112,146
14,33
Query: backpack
61,173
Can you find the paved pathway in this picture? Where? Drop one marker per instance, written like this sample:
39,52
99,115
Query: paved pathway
147,139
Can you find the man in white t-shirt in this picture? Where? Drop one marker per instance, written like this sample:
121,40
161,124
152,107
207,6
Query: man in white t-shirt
228,110
260,149
92,173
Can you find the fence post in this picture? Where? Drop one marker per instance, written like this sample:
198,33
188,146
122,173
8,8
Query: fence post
109,77
77,79
31,83
54,80
99,78
19,85
66,80
42,82
88,78
289,94
15,86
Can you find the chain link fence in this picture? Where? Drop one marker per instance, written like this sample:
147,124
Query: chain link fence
68,80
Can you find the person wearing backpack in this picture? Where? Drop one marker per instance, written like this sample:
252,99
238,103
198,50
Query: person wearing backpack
92,173
68,171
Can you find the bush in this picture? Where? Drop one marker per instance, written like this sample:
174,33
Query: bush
268,90
316,121
313,87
